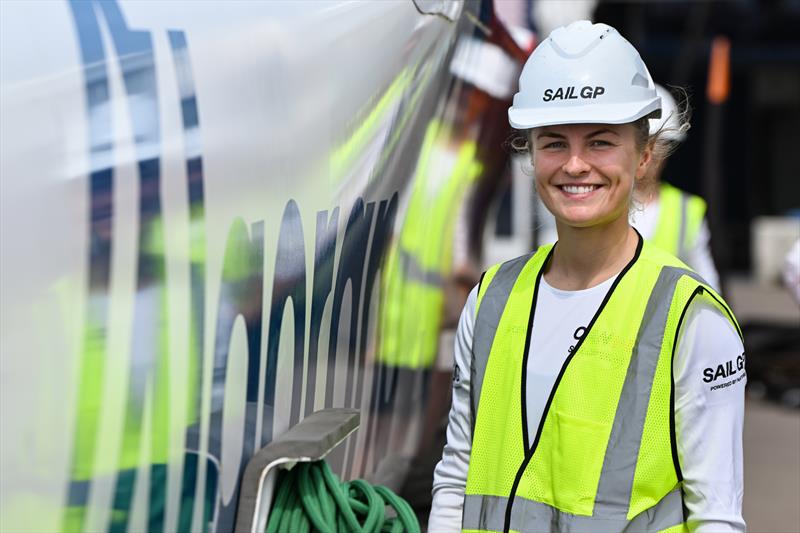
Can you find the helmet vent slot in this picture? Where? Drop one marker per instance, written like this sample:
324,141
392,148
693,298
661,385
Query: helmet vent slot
639,81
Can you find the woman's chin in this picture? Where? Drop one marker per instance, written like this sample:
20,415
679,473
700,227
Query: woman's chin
580,220
585,219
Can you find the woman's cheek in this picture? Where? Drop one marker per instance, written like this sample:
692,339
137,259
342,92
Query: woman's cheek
540,190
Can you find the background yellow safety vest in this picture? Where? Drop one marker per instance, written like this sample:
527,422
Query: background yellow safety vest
421,257
604,456
680,216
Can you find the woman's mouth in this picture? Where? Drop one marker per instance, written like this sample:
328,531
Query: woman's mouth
578,190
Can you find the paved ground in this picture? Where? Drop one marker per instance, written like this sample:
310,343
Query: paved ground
771,432
771,468
752,301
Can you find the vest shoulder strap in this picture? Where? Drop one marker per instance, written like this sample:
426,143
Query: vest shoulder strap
662,259
493,292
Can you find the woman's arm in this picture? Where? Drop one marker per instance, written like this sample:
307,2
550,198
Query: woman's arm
709,413
450,476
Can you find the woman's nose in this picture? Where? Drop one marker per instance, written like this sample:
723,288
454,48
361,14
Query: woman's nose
575,166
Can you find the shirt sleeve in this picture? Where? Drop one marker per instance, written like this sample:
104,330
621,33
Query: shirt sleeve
450,475
700,258
710,379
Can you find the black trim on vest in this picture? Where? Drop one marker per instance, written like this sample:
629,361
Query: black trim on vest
673,441
700,290
527,344
472,413
727,312
532,449
480,282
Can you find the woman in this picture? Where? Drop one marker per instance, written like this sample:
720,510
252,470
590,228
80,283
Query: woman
598,382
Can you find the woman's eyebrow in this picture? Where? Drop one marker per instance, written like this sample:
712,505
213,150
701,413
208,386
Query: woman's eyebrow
602,131
550,134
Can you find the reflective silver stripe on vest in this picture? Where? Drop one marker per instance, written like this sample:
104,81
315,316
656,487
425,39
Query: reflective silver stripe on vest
619,465
413,271
488,513
491,309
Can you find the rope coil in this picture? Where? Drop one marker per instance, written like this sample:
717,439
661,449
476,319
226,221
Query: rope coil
311,498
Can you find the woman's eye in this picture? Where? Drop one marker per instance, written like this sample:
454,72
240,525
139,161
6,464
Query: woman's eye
599,143
554,145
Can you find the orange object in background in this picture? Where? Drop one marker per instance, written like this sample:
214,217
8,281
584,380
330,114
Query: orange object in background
719,71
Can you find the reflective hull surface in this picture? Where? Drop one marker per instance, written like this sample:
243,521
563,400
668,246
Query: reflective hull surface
197,205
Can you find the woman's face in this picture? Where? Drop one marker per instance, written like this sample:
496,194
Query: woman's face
585,173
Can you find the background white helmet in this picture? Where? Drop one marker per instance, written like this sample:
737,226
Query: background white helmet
583,73
670,121
485,66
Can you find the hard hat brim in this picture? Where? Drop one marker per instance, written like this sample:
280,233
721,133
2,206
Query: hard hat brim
524,119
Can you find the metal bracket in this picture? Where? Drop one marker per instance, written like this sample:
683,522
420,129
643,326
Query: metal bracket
310,440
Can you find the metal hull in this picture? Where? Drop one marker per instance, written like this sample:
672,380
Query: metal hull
196,203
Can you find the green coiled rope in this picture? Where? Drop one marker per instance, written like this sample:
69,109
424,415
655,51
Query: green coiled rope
311,498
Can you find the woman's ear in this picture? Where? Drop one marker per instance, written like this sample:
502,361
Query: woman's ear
644,161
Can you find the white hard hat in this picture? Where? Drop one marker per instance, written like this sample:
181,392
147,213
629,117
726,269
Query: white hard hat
669,124
485,66
583,73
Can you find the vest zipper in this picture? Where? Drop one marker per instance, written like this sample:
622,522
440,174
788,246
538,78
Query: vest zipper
532,449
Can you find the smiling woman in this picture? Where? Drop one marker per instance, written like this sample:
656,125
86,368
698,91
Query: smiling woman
585,173
598,417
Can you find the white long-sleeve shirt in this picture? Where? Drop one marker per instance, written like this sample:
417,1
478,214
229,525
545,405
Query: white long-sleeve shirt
709,407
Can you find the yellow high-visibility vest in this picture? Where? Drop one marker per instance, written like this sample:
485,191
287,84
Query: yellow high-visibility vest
604,457
420,259
680,216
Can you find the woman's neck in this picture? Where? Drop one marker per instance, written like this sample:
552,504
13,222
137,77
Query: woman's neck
585,257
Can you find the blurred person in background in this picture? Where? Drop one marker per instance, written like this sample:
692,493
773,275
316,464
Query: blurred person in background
599,383
455,157
672,219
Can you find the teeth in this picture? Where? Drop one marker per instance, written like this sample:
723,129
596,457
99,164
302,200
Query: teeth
578,189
